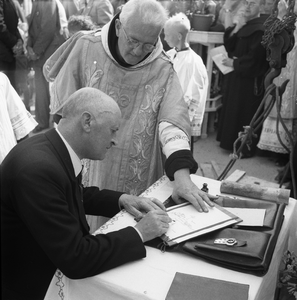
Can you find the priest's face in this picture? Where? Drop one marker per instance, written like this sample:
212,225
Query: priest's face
135,40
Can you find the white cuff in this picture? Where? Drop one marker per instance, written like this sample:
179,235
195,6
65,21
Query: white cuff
139,233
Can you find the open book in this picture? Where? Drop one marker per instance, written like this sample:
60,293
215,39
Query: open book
218,54
188,223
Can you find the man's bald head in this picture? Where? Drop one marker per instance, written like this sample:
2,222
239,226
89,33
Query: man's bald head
88,99
90,120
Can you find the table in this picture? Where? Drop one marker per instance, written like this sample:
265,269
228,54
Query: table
210,40
151,277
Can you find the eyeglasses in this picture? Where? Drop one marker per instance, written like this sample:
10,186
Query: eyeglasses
134,43
250,4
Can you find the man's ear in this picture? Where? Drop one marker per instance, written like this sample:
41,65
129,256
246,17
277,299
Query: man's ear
117,27
86,121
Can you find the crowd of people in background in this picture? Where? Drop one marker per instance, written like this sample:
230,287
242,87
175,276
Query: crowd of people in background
55,54
31,31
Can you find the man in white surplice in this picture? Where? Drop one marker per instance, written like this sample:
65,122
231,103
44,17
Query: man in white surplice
189,67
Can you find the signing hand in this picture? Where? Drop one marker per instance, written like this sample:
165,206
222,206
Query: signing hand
185,189
153,224
136,206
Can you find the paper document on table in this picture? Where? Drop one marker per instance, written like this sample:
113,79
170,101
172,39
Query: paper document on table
249,216
218,54
188,223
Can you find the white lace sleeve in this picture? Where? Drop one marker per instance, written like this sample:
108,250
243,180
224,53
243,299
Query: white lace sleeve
172,138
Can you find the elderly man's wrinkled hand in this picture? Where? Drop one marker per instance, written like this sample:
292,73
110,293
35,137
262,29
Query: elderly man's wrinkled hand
186,189
153,224
137,206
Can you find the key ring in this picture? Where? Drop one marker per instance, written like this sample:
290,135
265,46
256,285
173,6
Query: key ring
226,241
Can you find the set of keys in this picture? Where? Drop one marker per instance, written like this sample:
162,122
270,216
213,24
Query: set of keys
230,242
226,241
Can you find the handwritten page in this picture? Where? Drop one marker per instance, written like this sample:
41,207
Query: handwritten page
218,54
187,222
249,216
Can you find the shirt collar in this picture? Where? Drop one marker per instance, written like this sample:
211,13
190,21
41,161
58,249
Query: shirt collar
77,166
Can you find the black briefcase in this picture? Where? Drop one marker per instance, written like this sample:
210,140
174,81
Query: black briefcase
244,249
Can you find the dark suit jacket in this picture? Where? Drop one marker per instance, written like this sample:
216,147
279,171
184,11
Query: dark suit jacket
44,30
9,33
43,221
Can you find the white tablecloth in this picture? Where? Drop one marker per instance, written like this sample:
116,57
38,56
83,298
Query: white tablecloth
151,277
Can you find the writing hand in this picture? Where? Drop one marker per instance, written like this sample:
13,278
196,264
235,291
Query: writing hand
153,224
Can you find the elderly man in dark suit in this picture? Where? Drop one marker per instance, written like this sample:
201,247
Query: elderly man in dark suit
43,206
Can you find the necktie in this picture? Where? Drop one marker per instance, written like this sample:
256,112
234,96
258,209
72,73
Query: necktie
79,181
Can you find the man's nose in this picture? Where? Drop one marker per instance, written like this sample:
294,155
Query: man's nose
138,50
114,142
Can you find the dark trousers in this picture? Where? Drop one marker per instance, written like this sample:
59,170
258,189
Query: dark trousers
9,69
42,100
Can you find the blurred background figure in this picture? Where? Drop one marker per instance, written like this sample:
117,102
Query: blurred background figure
100,11
190,70
219,6
43,39
230,13
71,7
15,121
269,139
77,23
22,67
210,9
243,88
267,8
63,20
11,43
118,5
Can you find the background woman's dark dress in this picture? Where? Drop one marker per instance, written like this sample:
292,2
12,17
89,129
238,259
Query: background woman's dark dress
243,88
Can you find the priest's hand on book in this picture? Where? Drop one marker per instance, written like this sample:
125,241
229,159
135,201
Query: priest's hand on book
185,189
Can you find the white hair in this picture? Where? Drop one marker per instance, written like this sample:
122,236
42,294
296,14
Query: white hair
150,12
181,21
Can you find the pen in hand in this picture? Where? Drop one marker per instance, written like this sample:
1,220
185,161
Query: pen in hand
139,218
